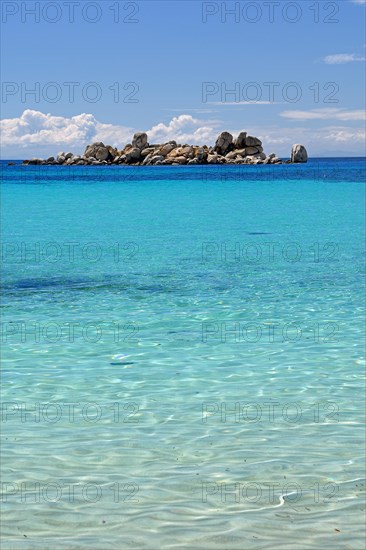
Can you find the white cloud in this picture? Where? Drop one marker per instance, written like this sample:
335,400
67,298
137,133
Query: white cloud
341,58
39,134
358,2
184,129
34,128
43,134
345,135
325,114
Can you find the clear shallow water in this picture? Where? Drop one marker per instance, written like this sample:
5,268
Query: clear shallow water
235,298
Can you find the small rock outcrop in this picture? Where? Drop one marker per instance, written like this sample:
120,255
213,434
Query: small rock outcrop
227,150
223,143
251,141
239,143
299,154
97,151
140,140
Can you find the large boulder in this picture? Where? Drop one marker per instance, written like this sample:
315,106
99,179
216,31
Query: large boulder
232,155
239,143
97,150
156,159
133,154
180,160
299,153
140,140
148,151
251,151
102,153
223,143
113,153
200,154
212,159
251,141
184,151
187,151
147,159
166,149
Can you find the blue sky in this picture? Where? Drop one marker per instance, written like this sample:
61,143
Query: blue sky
167,67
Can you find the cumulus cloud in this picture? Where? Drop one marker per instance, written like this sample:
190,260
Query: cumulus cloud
341,58
184,128
39,134
325,114
34,128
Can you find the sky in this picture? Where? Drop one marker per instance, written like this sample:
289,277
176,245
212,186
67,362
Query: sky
74,72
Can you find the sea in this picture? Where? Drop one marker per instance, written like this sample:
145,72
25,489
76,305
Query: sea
183,357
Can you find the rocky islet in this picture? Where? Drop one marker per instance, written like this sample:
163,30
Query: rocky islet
243,149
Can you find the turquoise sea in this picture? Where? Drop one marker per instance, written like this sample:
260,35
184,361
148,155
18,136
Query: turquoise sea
183,357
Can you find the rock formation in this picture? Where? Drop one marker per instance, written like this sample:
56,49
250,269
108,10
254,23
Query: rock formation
227,150
299,153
